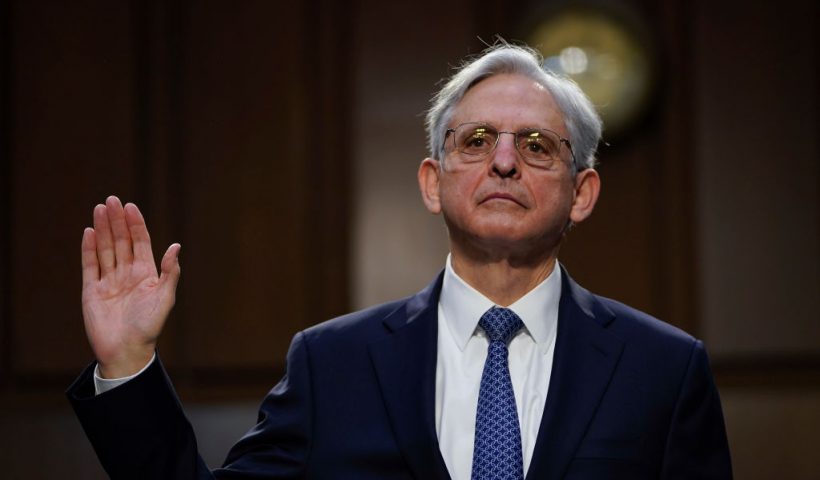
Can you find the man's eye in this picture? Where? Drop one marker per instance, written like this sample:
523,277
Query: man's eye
476,141
535,147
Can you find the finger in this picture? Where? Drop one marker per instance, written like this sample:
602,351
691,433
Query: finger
140,238
170,269
104,240
91,266
122,238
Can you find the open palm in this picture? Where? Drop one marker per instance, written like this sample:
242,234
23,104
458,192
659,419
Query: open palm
125,300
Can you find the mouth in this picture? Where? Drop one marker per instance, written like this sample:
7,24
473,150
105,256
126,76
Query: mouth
500,197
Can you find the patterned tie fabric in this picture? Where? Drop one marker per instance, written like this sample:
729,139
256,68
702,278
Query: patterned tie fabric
497,451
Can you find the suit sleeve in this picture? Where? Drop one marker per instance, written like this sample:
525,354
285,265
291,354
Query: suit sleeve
279,445
139,429
697,447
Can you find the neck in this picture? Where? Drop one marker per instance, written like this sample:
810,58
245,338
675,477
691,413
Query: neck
503,280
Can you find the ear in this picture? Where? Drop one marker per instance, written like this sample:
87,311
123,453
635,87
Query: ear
587,188
429,174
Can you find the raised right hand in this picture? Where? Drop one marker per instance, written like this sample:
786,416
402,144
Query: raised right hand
125,301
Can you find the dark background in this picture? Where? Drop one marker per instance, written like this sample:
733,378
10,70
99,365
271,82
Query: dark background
279,142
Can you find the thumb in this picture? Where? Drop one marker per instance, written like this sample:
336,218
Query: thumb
170,269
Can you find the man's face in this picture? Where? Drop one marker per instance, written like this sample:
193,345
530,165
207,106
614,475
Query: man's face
502,204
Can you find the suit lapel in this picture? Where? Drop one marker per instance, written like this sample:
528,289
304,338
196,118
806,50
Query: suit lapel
585,358
405,364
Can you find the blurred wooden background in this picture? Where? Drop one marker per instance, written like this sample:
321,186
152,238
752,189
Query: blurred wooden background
279,142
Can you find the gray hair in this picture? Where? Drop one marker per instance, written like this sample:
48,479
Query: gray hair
580,118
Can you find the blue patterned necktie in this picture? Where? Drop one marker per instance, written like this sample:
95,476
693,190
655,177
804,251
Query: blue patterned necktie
497,451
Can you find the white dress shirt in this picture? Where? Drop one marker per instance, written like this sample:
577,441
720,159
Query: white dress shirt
462,351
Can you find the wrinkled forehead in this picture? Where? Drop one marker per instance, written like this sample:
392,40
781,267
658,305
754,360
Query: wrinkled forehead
509,101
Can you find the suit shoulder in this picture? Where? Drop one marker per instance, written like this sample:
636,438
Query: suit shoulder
639,325
651,345
362,324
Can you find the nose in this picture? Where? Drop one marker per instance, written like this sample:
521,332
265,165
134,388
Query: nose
505,157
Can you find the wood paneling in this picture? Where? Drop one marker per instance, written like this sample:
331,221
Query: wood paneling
72,142
227,123
242,215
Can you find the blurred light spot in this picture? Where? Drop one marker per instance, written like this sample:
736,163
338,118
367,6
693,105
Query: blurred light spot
574,60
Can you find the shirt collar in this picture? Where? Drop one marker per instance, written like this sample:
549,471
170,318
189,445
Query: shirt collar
462,307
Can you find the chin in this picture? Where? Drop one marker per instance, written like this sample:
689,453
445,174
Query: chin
511,236
503,232
505,239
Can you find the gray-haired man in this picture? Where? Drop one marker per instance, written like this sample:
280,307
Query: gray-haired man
502,367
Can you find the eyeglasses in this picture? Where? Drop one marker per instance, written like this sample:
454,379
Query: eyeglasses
539,147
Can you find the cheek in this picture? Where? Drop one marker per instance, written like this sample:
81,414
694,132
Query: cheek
457,192
554,198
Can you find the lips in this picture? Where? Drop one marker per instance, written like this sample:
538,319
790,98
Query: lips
501,196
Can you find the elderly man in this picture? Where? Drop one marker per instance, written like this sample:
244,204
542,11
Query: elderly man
501,368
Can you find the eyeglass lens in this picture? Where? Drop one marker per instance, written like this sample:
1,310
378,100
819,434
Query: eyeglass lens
480,139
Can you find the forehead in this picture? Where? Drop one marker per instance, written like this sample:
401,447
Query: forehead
509,101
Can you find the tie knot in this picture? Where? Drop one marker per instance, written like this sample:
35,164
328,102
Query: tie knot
501,324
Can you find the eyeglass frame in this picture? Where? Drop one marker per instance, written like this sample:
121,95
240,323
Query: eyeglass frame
561,140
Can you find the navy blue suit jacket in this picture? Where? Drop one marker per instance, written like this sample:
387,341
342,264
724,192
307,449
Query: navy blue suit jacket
630,397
